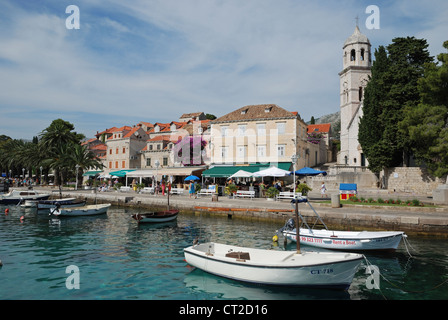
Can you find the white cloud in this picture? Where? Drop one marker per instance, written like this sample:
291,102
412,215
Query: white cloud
154,60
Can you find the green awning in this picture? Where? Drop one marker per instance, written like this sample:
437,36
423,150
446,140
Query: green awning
91,173
120,173
227,171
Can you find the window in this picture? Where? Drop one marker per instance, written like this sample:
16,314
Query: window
124,150
267,109
224,130
242,150
158,147
241,130
123,164
360,93
110,164
261,151
116,150
261,129
281,127
116,164
244,111
353,55
110,151
150,147
165,161
224,152
281,150
148,162
362,54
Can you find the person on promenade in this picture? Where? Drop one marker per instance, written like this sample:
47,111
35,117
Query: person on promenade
323,190
191,190
163,187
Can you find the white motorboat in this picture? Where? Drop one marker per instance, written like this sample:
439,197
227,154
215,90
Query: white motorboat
348,240
275,267
89,210
342,240
20,196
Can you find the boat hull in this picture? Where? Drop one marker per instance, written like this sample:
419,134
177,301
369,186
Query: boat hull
156,217
51,204
348,240
274,267
16,200
88,210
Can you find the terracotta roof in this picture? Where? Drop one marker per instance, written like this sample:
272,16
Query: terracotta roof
191,115
256,112
324,127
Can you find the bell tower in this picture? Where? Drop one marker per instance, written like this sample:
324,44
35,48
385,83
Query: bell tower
356,62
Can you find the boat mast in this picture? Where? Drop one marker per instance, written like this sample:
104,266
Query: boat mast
297,225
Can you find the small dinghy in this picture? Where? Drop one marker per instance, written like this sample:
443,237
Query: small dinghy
62,203
156,217
342,240
89,210
274,267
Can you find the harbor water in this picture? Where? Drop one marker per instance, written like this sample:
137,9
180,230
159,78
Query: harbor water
113,257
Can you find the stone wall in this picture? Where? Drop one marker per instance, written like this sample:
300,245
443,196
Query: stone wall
411,179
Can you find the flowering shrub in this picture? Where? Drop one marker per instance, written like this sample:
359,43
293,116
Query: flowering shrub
315,137
190,150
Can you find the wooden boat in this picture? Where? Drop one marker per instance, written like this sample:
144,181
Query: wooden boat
156,217
89,210
29,204
63,203
274,267
342,240
19,196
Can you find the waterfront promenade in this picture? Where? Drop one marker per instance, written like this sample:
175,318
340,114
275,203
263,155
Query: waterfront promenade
431,221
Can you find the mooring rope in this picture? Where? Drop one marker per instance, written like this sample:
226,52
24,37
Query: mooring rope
398,287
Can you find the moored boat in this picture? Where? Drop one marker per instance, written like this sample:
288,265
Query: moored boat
20,196
156,216
89,210
274,267
341,240
63,203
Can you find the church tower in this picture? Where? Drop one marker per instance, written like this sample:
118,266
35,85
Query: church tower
357,62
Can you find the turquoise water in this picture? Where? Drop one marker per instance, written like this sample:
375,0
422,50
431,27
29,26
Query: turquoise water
118,259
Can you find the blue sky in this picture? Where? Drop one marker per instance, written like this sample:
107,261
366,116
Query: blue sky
153,60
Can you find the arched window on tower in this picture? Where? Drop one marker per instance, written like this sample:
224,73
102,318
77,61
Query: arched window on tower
360,93
353,55
362,54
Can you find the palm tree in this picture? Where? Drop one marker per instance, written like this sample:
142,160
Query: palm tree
80,155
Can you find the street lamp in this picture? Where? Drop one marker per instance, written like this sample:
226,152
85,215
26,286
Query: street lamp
293,160
157,163
77,168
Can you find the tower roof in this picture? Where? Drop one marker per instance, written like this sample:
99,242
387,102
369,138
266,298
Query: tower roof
356,37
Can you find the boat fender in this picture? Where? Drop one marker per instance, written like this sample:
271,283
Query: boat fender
6,211
22,218
275,238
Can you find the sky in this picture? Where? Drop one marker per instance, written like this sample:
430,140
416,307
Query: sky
154,60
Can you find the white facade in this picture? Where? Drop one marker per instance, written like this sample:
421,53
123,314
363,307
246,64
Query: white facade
357,64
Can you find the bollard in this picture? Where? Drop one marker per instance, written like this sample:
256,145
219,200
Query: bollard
335,201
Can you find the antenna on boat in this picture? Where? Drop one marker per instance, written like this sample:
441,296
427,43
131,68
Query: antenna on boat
297,225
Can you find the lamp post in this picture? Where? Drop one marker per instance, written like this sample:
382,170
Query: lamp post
23,174
293,160
77,168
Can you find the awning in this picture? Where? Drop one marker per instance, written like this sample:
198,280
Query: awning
227,171
178,171
141,174
120,173
91,173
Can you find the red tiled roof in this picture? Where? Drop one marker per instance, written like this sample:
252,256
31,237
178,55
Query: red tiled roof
324,127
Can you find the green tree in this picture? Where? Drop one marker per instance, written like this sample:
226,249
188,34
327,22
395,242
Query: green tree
393,88
427,124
